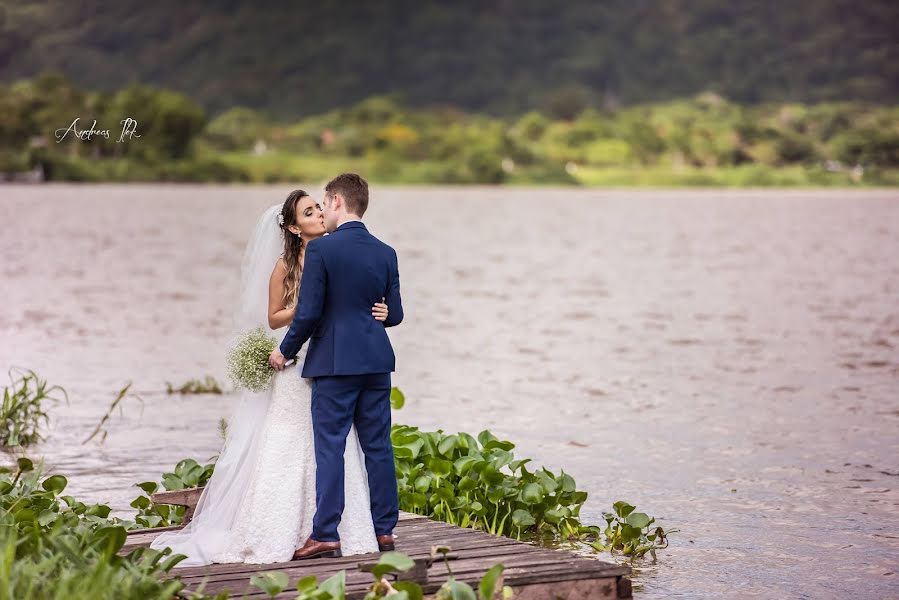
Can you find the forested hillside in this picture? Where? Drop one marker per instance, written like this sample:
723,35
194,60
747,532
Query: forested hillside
292,59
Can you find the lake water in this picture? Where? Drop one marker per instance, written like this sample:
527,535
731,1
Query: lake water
728,361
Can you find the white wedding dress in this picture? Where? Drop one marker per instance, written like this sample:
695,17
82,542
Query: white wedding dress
258,505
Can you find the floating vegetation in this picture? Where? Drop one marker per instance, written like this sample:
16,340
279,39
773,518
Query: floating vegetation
207,385
23,412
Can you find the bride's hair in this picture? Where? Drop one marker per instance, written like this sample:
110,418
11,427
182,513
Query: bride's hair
293,246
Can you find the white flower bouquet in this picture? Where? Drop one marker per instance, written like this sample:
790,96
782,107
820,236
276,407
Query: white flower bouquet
248,364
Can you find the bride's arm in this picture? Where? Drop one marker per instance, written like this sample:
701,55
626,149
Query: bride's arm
278,314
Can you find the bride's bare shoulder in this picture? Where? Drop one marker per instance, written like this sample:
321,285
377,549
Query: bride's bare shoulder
280,268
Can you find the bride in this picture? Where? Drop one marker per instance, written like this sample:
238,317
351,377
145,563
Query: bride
258,505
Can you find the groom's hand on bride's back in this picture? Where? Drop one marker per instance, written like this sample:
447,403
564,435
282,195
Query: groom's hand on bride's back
379,311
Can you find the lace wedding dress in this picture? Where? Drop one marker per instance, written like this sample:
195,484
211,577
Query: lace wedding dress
258,505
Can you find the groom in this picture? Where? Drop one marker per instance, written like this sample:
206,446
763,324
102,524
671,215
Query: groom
350,360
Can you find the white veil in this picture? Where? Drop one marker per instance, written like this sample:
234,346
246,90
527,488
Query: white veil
207,536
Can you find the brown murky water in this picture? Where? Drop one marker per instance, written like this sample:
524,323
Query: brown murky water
727,361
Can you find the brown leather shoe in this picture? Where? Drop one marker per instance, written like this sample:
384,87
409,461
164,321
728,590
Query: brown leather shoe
385,543
316,549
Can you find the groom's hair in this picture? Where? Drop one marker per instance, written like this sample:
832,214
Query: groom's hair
354,190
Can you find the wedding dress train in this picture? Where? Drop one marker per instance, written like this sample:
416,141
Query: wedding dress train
274,514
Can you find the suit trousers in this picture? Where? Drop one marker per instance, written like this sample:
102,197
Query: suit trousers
337,403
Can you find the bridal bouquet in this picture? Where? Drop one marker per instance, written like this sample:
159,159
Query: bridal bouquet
248,364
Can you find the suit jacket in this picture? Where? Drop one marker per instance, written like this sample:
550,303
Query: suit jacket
344,274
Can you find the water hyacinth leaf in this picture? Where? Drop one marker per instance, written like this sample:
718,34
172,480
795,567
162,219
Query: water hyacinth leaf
171,482
46,517
307,584
397,398
547,480
495,495
99,510
629,533
153,520
454,589
24,465
490,475
445,493
464,464
423,483
488,583
149,487
516,464
468,442
500,458
567,481
532,493
413,448
271,582
391,562
638,520
112,538
523,519
140,502
622,509
335,585
440,467
553,516
55,484
467,484
447,445
501,444
411,589
486,437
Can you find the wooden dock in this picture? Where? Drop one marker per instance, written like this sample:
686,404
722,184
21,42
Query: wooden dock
532,572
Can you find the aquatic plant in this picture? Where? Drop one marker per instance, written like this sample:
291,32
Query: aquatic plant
631,533
207,385
23,411
334,588
54,546
468,481
98,430
478,483
188,473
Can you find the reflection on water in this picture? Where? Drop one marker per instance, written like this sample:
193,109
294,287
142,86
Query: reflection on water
727,361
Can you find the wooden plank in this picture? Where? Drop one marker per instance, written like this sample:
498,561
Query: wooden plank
533,571
185,497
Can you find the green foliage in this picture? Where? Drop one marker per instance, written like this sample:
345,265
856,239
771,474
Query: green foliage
487,56
54,546
207,385
631,533
99,429
704,140
397,398
23,411
478,483
188,473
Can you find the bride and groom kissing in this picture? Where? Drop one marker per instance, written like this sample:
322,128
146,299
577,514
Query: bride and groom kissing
307,467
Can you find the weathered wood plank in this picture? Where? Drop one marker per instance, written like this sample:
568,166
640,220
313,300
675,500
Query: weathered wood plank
532,571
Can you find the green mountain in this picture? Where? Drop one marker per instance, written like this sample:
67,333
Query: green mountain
499,56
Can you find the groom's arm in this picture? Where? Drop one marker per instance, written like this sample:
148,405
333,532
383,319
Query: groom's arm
393,299
310,304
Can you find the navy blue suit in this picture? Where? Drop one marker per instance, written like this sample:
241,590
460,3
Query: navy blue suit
350,360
